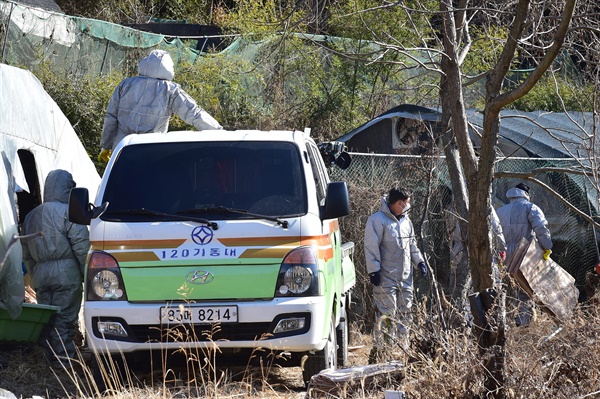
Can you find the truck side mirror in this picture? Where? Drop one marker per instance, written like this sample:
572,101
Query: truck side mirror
337,200
333,153
80,209
343,160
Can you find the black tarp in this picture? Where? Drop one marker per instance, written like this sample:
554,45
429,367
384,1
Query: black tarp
537,134
209,37
543,134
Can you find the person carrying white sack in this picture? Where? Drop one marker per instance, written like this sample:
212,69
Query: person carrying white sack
521,218
145,104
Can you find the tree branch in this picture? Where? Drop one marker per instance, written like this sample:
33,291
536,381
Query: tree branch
524,88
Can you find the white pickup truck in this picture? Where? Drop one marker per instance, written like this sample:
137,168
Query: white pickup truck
235,229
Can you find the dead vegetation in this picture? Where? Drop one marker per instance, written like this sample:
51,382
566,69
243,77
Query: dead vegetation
545,360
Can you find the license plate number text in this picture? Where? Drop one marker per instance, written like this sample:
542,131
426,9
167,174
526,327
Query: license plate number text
198,314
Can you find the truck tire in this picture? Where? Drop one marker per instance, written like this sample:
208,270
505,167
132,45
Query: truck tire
343,337
323,359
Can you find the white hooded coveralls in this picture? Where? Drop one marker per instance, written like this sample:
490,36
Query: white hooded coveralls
521,218
56,261
145,103
391,247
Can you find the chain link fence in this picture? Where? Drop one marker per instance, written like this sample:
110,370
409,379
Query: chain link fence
371,175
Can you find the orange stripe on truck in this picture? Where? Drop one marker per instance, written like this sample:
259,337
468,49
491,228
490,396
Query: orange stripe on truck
334,225
135,256
278,247
259,241
274,247
136,244
265,253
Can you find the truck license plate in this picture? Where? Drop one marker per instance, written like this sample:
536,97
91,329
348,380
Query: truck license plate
198,314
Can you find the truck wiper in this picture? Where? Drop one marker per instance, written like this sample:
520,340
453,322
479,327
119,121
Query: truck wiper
144,211
223,209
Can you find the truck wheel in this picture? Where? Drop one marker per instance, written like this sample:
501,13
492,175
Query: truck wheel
343,337
323,359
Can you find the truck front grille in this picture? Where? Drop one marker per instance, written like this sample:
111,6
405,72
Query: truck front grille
232,332
201,333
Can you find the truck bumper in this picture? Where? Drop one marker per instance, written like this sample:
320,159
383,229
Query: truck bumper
116,326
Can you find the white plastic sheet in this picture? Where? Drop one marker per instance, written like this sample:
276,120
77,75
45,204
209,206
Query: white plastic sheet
545,281
30,120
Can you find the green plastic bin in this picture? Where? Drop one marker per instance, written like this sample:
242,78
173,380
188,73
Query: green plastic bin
28,326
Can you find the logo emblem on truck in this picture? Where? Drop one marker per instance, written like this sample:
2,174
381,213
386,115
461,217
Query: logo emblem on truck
200,277
202,235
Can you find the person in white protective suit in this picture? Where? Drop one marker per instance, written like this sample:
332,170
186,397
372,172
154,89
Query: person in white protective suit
56,262
460,279
461,283
521,218
145,103
391,253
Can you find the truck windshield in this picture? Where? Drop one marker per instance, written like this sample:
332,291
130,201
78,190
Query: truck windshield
205,179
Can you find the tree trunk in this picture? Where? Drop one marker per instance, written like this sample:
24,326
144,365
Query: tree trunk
459,196
489,328
479,174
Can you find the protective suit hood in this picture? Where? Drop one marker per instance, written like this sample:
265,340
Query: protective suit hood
158,64
58,185
514,193
384,207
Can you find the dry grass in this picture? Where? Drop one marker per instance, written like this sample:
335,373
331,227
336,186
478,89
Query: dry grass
543,361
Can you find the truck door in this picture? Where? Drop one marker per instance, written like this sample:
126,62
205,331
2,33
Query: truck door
319,172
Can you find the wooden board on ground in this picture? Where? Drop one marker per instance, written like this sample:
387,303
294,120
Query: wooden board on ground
340,383
545,281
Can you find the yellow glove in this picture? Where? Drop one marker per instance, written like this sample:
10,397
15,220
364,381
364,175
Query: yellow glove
546,254
104,155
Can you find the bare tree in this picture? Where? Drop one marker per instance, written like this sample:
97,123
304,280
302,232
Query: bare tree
479,170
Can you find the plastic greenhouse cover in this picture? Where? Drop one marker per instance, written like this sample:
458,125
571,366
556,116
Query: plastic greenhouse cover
30,120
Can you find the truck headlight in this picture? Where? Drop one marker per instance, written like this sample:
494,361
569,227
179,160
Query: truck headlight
105,284
104,281
298,274
297,279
